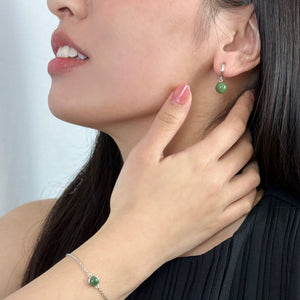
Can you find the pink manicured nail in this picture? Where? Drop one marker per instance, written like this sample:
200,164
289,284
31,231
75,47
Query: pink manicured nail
181,94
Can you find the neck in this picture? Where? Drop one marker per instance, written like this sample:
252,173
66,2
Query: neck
208,109
205,113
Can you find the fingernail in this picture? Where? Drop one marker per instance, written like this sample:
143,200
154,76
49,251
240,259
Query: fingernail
181,94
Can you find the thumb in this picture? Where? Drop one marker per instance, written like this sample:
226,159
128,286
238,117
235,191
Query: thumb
168,120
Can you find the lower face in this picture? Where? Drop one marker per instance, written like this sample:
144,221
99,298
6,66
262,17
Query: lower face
138,52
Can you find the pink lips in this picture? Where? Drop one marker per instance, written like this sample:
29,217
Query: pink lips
59,64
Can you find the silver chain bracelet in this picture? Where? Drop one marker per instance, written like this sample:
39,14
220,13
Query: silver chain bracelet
93,280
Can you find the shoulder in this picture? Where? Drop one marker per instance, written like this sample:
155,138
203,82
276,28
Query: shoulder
19,230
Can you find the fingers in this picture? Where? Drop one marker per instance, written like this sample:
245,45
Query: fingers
238,156
241,207
244,183
168,121
225,135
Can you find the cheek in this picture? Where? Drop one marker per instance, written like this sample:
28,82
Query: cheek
135,49
145,47
137,54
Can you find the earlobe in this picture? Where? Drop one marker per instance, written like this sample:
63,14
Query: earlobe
242,52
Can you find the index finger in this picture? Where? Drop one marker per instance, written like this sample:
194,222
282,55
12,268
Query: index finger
226,134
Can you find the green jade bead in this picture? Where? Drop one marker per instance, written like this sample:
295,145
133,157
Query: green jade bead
221,87
93,281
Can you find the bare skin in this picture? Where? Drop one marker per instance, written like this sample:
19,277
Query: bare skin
19,230
139,52
117,38
222,204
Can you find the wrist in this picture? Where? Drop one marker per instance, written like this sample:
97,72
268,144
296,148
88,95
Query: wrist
120,256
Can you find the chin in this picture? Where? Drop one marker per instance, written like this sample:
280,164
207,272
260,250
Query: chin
59,107
101,112
79,114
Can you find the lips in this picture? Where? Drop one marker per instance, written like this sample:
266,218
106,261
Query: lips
60,39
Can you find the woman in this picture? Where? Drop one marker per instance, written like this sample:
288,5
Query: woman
182,236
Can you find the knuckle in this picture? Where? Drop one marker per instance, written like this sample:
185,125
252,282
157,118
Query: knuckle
205,159
226,220
216,185
239,126
255,177
168,118
201,162
246,146
214,227
247,205
249,149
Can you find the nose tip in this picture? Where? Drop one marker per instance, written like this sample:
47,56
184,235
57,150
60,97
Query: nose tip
68,8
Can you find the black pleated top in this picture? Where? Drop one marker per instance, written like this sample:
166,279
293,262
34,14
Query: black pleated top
261,261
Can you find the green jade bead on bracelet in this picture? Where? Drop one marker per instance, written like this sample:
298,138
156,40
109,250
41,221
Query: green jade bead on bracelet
93,281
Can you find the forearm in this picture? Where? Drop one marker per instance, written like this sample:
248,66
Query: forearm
113,254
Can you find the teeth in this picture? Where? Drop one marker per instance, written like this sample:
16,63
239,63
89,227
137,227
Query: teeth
81,56
73,52
67,51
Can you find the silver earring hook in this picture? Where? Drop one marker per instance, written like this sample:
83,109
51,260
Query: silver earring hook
222,72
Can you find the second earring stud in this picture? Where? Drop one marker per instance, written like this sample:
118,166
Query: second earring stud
221,87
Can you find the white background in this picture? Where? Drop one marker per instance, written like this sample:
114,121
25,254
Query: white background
39,154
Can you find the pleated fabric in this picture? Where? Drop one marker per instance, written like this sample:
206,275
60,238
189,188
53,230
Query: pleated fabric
261,261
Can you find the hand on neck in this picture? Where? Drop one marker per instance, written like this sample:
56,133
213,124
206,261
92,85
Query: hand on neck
207,111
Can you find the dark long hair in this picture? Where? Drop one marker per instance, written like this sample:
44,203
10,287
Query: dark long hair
85,205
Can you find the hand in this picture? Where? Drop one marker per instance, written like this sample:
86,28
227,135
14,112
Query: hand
174,203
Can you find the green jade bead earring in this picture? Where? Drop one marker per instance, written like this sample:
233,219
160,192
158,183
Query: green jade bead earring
221,87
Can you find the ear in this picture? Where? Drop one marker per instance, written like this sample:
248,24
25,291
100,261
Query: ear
239,48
